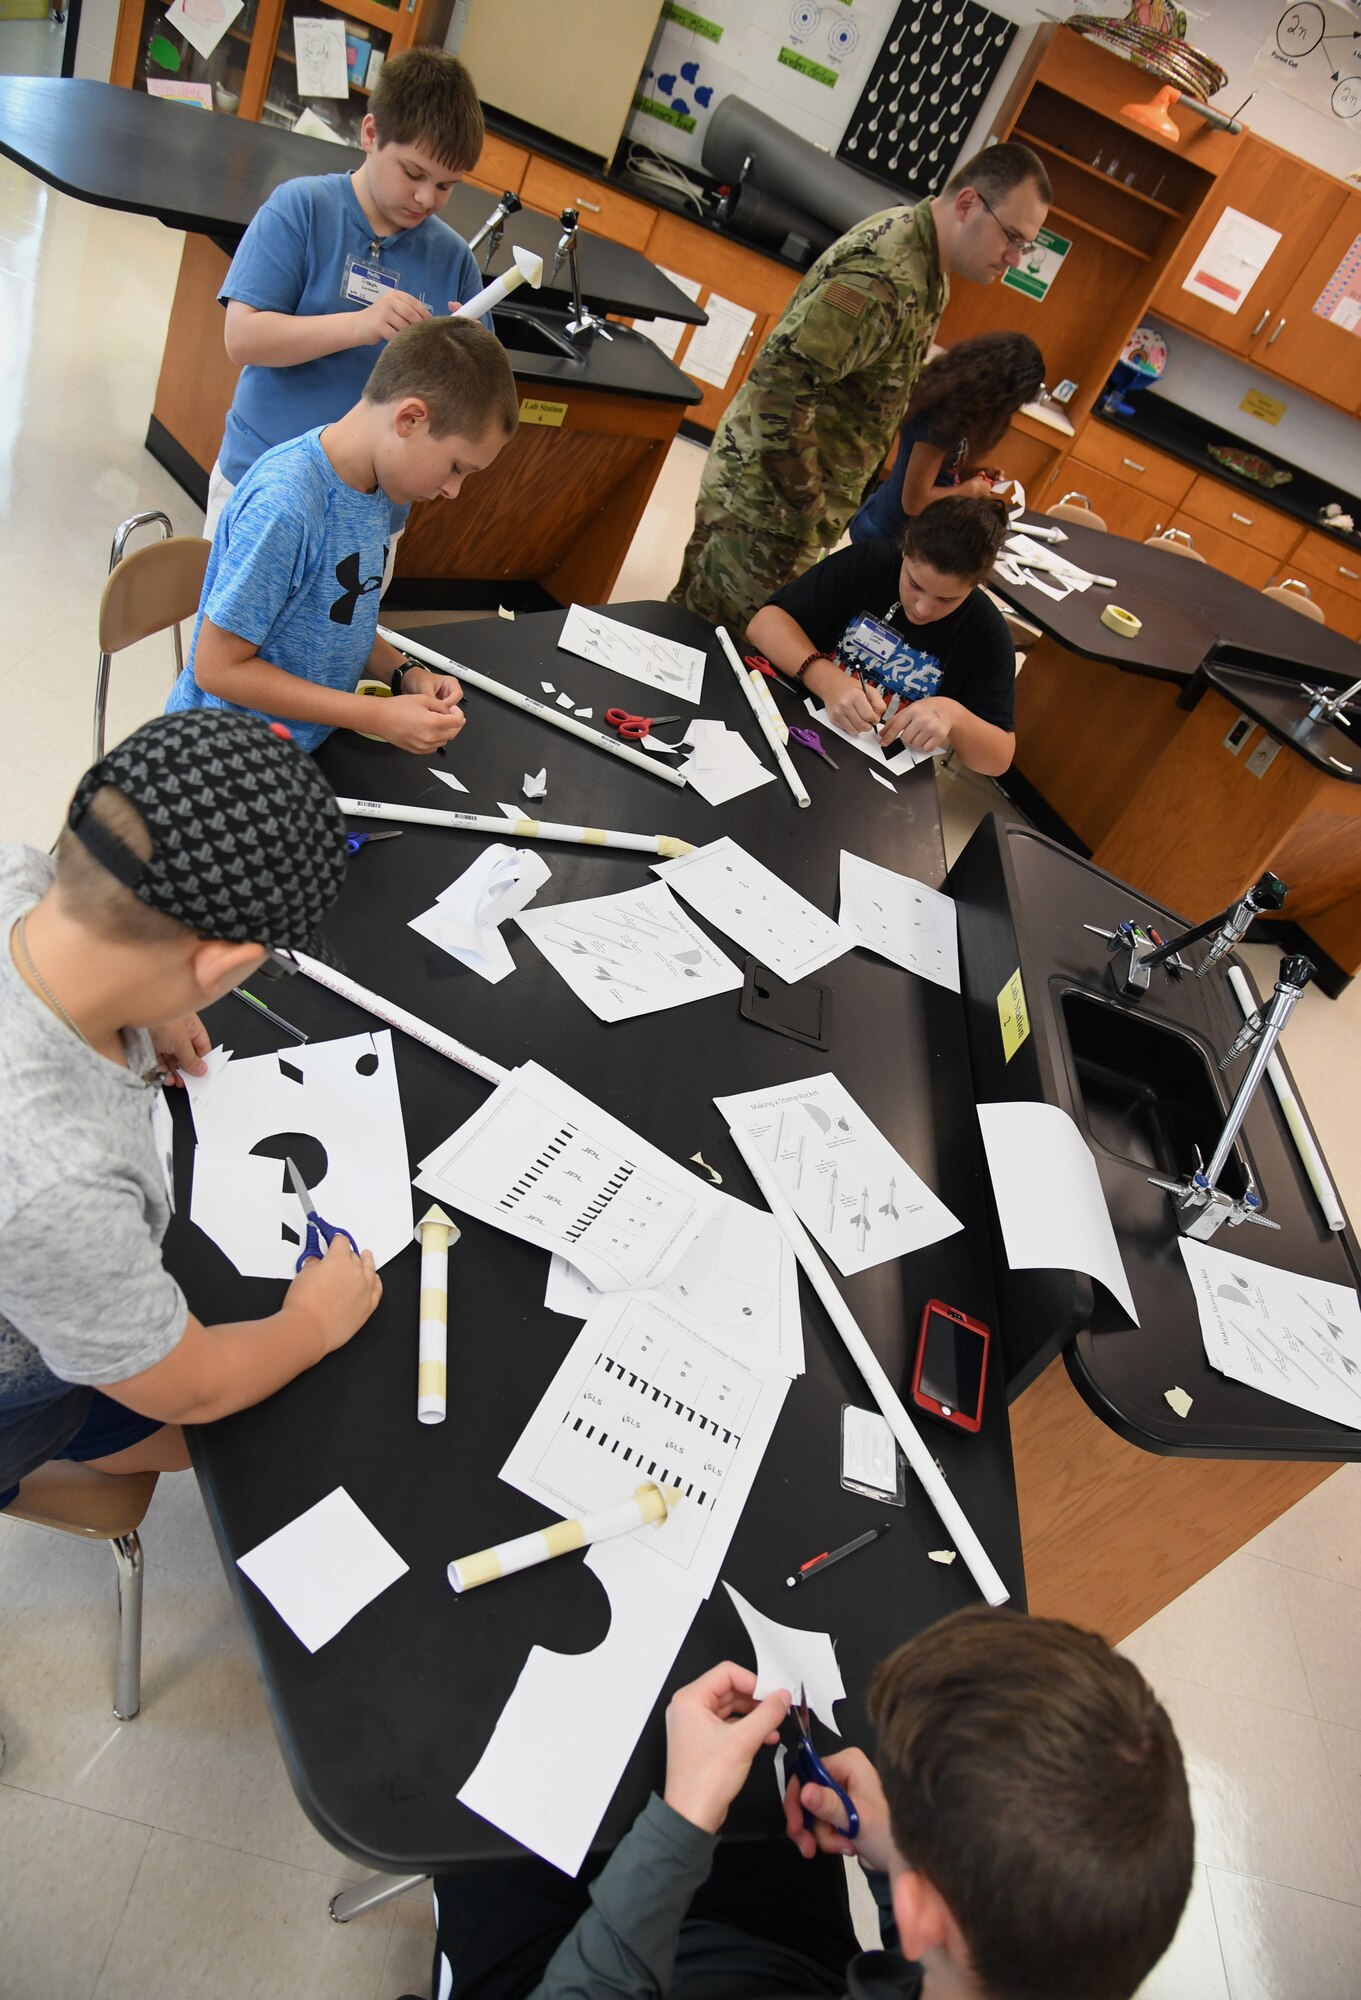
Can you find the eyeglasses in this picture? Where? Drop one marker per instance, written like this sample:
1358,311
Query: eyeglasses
1022,245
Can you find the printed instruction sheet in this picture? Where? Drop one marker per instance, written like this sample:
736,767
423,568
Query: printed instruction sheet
674,670
1294,1337
630,954
749,903
901,919
852,1190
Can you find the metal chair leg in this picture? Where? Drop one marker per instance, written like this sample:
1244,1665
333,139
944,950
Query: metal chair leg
127,1695
369,1894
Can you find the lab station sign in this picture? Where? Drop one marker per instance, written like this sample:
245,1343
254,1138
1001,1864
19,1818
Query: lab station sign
1038,271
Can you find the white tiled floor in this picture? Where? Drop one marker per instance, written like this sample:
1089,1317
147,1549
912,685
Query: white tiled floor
167,1855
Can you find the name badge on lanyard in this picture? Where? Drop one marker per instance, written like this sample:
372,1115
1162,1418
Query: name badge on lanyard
870,647
366,279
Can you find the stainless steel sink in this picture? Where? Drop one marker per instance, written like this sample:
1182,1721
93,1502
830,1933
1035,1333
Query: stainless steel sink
1147,1091
526,333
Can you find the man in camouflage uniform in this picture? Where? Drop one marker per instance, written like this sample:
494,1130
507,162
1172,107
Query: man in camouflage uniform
809,430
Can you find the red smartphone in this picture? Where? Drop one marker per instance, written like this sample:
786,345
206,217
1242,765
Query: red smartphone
952,1366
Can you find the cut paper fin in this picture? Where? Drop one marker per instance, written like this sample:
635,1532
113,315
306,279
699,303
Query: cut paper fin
535,784
789,1658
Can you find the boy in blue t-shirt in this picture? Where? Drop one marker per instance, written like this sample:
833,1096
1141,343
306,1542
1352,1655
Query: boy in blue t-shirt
288,621
333,265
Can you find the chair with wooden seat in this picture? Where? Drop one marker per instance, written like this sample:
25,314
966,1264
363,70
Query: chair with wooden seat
1297,595
1177,543
103,1507
156,587
1076,507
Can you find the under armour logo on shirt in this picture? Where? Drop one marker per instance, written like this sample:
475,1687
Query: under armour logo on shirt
353,586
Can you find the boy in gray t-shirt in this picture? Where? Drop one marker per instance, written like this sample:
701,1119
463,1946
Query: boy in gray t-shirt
190,852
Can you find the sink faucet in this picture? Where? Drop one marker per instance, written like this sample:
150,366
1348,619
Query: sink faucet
1135,951
1200,1203
492,228
583,320
1329,706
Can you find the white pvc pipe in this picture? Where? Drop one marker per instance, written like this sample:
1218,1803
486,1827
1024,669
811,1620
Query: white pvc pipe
527,268
768,729
668,844
398,1017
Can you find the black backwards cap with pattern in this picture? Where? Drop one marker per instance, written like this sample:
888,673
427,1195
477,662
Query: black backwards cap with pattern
247,841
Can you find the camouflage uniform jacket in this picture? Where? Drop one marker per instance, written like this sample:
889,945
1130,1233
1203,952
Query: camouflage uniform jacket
811,425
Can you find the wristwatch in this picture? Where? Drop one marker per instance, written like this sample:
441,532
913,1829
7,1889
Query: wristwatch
803,667
399,673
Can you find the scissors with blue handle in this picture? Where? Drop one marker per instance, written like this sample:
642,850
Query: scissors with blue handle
354,841
320,1234
810,1769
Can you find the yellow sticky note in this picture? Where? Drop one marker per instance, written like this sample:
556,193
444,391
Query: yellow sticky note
1257,403
1013,1014
534,410
1177,1401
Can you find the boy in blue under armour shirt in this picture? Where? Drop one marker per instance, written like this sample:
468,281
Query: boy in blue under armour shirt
333,265
288,621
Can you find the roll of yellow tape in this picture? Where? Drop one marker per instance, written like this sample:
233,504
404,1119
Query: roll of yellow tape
379,689
1123,622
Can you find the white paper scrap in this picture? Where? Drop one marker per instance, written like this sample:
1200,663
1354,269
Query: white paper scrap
899,757
880,779
446,778
757,909
789,1658
1178,1402
502,612
665,664
522,1783
566,701
548,687
722,764
466,918
1049,1197
342,1095
544,1163
901,919
630,954
323,1568
850,1188
1297,1338
198,1089
715,1176
644,1393
943,1556
535,784
585,714
739,1280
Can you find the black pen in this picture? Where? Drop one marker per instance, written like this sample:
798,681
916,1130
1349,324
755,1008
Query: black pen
269,1013
828,1556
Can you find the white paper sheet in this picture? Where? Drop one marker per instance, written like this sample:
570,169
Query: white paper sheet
722,765
644,1393
1296,1338
675,670
667,333
557,1753
849,1187
789,1658
901,919
466,918
739,1281
544,1163
1049,1198
1237,251
204,26
340,1094
319,45
323,1568
880,779
446,778
198,1089
163,1138
754,907
631,954
900,758
714,349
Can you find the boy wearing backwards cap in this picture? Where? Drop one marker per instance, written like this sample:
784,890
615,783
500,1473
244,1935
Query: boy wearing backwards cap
190,852
288,621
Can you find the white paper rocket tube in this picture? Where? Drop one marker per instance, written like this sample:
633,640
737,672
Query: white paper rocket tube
654,767
877,1382
650,1503
527,268
435,1232
668,844
769,729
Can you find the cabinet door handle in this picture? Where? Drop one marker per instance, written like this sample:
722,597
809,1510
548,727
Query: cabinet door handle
1355,575
1280,328
746,343
1246,519
1134,465
580,201
1261,323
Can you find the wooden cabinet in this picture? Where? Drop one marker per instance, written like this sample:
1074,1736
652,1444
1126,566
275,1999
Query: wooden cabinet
1273,188
1126,459
1124,509
499,166
551,188
1220,506
1321,354
1333,574
1250,565
726,270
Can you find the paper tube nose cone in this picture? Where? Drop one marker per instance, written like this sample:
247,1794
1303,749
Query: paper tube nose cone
434,1215
529,266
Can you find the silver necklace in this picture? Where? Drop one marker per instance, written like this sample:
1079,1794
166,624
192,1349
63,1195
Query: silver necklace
148,1081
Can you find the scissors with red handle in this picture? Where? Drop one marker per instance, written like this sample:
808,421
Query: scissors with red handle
635,727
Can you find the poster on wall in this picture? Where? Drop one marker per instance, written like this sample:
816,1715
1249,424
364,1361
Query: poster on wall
1235,255
1340,299
802,61
1313,54
925,89
1038,270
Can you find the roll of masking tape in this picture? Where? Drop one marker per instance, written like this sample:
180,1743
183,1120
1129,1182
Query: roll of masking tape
1123,622
378,689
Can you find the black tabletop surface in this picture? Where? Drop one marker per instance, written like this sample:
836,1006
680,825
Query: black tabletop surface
1281,708
1187,608
383,1724
207,173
